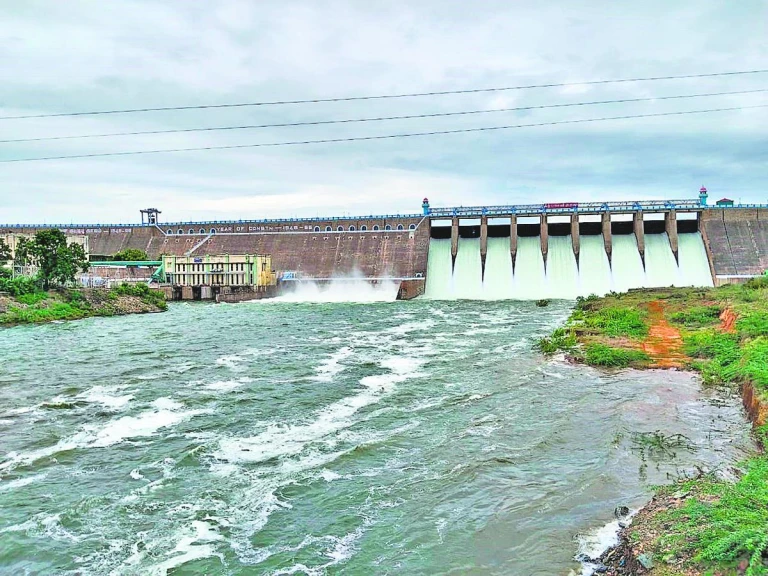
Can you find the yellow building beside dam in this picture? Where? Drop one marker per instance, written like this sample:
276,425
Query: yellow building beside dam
220,270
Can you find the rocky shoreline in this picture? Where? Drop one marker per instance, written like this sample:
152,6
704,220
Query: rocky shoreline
76,304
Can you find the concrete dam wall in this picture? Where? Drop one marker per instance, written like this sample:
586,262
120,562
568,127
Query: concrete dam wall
479,257
736,241
370,247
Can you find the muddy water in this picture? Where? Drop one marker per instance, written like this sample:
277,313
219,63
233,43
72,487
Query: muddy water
289,438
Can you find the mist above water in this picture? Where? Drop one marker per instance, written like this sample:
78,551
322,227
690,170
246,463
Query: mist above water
342,289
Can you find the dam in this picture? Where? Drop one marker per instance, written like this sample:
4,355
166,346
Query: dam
523,252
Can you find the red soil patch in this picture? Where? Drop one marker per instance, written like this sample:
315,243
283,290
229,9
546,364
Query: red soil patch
664,344
728,321
754,405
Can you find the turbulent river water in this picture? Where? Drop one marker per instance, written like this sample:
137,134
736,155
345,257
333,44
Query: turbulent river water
287,438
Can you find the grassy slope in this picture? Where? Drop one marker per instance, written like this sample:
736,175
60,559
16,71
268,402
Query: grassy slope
705,525
75,304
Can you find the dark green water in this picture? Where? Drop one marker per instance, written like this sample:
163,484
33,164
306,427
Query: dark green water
285,438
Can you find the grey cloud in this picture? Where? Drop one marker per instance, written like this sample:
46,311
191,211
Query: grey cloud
81,55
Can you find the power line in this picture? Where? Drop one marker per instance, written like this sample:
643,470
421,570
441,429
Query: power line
387,96
384,137
379,118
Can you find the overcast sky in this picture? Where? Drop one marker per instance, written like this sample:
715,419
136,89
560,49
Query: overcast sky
89,55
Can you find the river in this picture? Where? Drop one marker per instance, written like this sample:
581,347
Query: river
340,438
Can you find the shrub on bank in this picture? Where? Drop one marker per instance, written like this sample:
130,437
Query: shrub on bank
19,286
562,339
143,291
596,354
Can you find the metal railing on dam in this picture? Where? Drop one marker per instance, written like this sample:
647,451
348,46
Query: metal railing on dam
433,213
569,208
221,222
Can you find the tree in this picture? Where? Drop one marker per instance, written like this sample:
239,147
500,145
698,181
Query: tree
5,252
57,262
22,257
130,255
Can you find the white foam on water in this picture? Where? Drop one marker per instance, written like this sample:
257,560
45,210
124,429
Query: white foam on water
281,439
348,289
47,525
20,482
166,413
596,542
330,367
145,424
194,543
406,327
339,550
102,395
329,475
136,475
231,361
228,385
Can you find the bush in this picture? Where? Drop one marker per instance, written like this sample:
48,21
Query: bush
561,339
697,316
140,290
616,321
19,286
601,355
587,303
756,283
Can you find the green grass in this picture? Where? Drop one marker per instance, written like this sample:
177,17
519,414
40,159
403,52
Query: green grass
752,325
32,299
753,365
616,321
723,523
596,354
697,316
32,315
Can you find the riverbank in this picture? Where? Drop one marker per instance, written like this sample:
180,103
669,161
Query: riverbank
714,523
75,304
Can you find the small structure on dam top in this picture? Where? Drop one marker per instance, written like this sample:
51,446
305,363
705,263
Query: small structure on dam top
226,278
